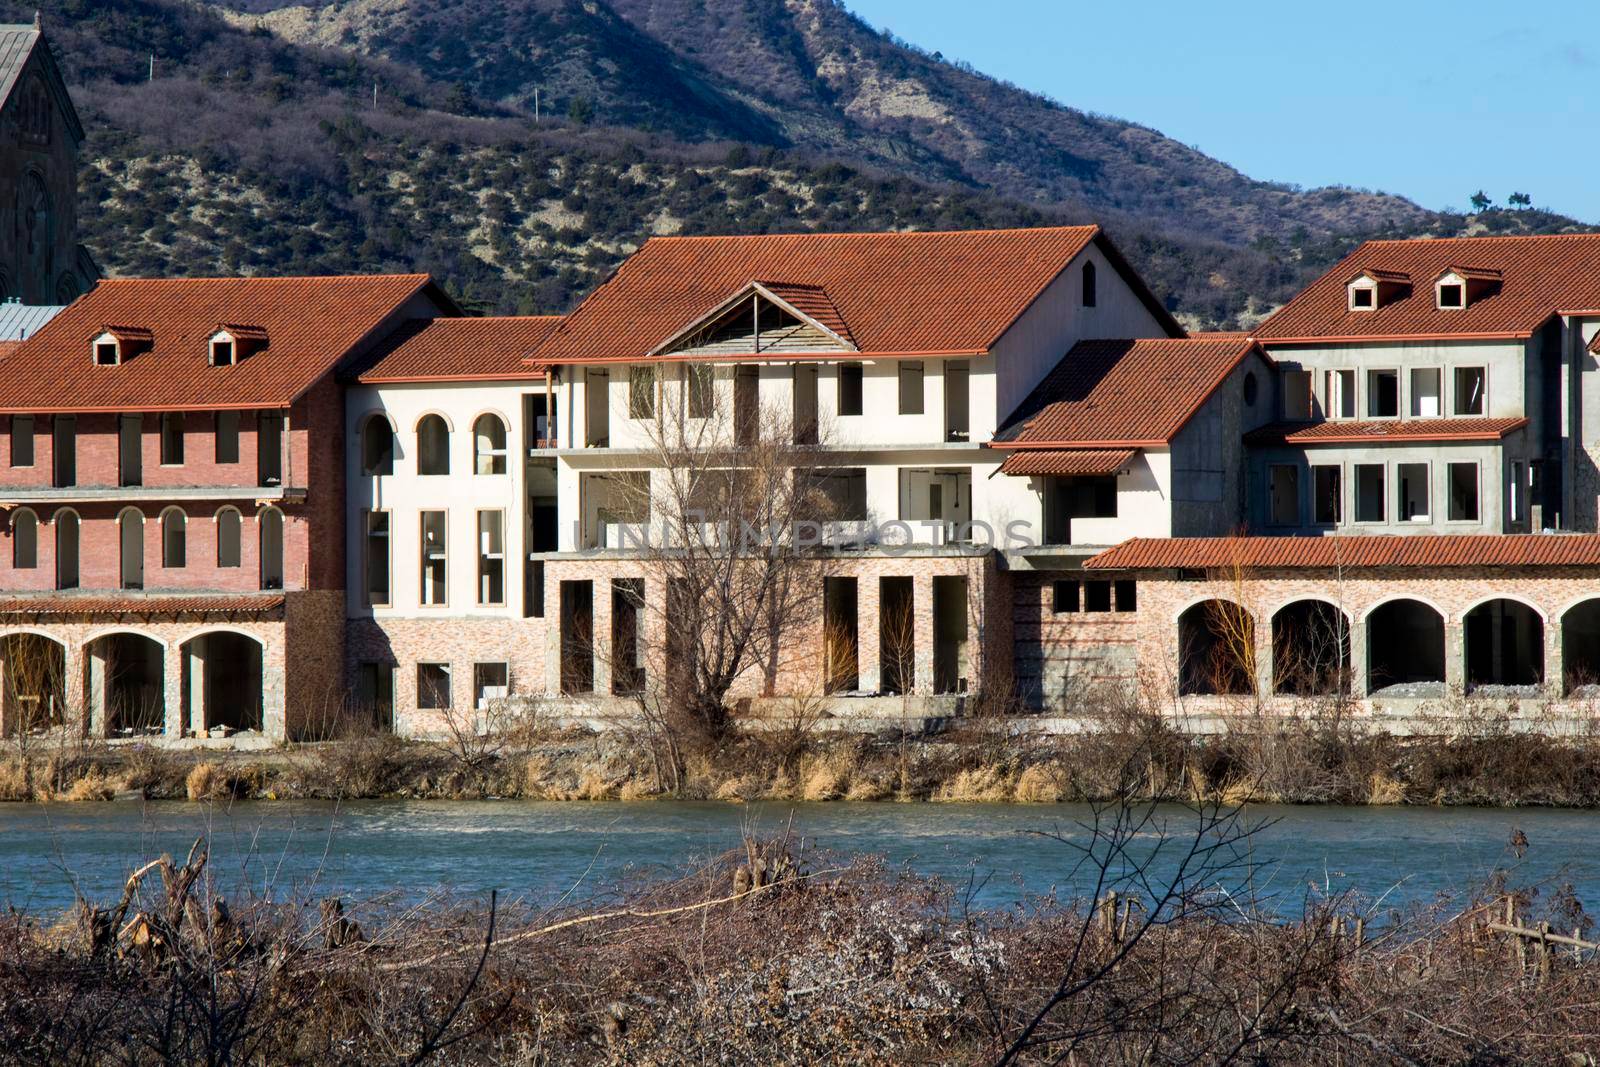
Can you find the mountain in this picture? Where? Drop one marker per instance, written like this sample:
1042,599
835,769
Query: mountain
262,137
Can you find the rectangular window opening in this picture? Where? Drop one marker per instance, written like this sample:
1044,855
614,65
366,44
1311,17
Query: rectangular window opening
1064,596
1383,394
1469,390
1463,492
130,450
227,437
1341,394
642,392
1127,594
172,439
433,557
490,682
1369,492
1412,482
1097,597
1283,491
1451,296
22,440
850,388
1426,393
1329,500
911,387
702,390
491,558
377,558
433,686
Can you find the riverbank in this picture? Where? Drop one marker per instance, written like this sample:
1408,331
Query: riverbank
1264,759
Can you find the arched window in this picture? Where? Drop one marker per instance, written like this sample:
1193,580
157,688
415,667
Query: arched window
229,526
271,549
24,540
130,536
377,446
67,532
489,444
1088,285
174,539
433,445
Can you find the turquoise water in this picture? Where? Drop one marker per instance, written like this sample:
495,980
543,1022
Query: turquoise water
539,851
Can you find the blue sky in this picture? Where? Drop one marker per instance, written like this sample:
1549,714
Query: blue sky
1428,100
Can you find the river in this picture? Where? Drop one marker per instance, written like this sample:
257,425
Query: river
536,852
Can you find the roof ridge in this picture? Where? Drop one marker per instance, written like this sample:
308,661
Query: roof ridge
1474,238
264,278
666,238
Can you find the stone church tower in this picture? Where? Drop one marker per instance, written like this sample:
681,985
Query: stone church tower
41,261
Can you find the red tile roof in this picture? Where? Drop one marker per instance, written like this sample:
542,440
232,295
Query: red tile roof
1322,553
900,293
1067,462
461,349
1123,393
1539,276
814,303
76,604
1384,431
313,325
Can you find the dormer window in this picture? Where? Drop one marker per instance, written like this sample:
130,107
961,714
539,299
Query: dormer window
1372,289
230,344
1452,296
115,345
107,353
1457,287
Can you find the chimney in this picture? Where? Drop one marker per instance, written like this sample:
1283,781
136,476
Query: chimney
38,22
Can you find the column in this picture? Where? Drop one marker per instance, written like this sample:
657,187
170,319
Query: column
1455,654
96,695
869,616
601,628
1358,657
172,691
194,662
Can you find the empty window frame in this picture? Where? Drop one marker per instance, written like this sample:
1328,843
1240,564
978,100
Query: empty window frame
490,682
222,352
642,392
1427,397
1383,394
432,552
227,437
22,440
130,542
1097,596
491,558
1411,486
489,444
1064,596
172,439
702,386
1341,394
433,686
1283,494
269,448
1363,297
1127,591
1369,492
174,539
130,450
24,540
377,446
911,387
1468,391
271,523
106,354
1297,395
230,537
851,378
1327,495
376,559
1088,285
805,404
1462,479
1515,493
433,445
64,449
67,537
846,491
1452,296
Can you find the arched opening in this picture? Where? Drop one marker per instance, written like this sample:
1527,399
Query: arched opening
1504,650
174,539
271,548
130,537
127,683
1216,650
230,530
377,446
34,667
433,445
1580,649
222,682
24,540
68,530
1405,650
489,444
1310,649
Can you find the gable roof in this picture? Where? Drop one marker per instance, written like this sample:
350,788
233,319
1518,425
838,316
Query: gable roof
1128,393
18,42
314,324
1389,550
1537,277
900,294
810,303
459,349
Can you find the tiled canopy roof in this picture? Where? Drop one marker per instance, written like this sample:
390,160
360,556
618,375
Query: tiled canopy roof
1082,462
461,349
1323,553
1384,431
1537,277
1123,393
899,293
313,324
94,604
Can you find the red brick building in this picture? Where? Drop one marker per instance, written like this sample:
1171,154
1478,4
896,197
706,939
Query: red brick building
172,499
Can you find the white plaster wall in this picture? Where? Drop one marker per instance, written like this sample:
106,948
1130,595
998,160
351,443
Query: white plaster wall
462,493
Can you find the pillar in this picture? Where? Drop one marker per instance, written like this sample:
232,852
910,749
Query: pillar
1358,658
869,618
74,690
172,691
194,663
1555,669
927,628
99,725
601,628
1455,657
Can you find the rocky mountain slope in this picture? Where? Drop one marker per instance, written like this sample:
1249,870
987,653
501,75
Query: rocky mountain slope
399,135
